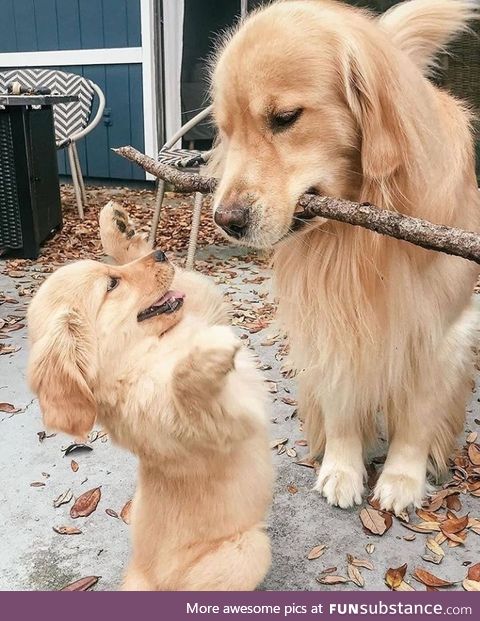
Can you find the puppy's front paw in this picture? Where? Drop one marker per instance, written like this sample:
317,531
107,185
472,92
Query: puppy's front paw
397,491
341,484
215,351
116,230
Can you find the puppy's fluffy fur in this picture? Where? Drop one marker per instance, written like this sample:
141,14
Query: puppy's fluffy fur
375,324
176,389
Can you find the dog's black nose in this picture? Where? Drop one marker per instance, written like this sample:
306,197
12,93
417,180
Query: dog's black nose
159,256
233,219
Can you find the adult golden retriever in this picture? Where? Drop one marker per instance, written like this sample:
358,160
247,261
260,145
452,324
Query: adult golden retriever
165,375
317,95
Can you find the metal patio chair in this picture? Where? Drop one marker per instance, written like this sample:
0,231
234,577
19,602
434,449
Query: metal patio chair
73,120
185,158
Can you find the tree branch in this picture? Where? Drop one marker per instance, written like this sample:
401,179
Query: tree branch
422,233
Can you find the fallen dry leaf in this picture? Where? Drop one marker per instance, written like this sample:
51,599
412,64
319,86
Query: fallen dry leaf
86,503
77,447
9,408
74,465
404,586
394,576
471,585
359,562
454,525
329,579
125,512
370,548
292,489
355,576
67,530
37,484
428,579
474,454
63,499
278,442
82,585
375,521
474,572
472,437
434,547
111,513
316,552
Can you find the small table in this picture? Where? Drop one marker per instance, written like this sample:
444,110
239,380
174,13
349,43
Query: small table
30,205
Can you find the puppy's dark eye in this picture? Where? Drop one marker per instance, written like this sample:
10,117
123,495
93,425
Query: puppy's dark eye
112,283
283,120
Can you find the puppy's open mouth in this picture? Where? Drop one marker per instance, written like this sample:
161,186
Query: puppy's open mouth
166,305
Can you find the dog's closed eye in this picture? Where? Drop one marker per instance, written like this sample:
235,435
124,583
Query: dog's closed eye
280,121
112,283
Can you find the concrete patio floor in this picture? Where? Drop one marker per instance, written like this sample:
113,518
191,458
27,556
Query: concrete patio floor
34,557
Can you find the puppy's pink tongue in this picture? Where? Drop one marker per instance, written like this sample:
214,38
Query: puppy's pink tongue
169,296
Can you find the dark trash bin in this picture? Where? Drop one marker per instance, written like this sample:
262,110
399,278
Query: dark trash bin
30,206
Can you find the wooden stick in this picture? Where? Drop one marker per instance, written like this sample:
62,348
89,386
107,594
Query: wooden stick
453,241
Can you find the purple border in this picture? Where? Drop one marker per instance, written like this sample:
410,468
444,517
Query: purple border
173,606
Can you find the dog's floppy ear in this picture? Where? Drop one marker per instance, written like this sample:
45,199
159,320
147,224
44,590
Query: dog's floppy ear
371,91
61,367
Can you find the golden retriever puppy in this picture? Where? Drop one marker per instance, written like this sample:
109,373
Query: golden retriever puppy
118,344
314,95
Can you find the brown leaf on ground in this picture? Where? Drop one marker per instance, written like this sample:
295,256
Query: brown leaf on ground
82,585
67,530
278,442
474,572
74,465
471,585
355,576
63,499
428,579
111,513
316,552
376,522
125,512
395,575
404,586
9,408
474,454
37,484
359,562
454,503
454,525
472,437
370,548
86,503
428,516
329,579
75,446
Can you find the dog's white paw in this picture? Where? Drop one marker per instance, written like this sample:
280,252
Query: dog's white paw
341,484
397,491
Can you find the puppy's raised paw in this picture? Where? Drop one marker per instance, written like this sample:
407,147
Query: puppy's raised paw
215,351
119,239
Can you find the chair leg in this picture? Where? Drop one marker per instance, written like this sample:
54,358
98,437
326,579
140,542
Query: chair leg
76,184
79,173
156,215
192,244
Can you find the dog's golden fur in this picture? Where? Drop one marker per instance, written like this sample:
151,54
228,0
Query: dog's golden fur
179,391
374,324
